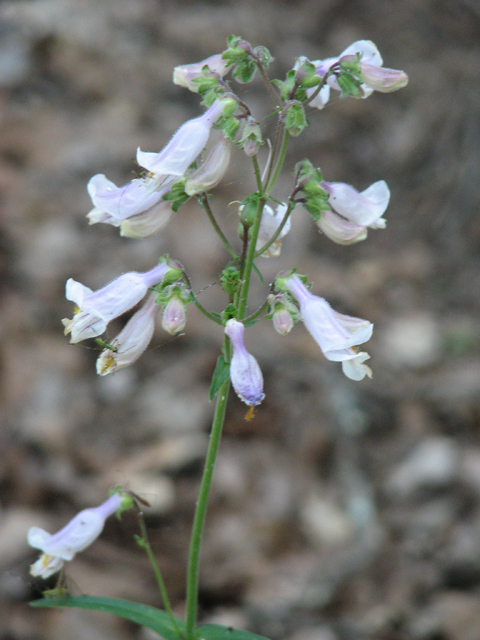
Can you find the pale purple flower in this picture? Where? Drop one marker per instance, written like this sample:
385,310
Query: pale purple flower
184,75
132,341
97,308
209,174
114,204
358,211
148,223
374,76
245,374
76,536
337,335
268,226
184,147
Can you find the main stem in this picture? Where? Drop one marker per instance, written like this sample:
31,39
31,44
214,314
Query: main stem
201,511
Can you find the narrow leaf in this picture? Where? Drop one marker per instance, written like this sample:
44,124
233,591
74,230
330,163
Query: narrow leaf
220,375
141,614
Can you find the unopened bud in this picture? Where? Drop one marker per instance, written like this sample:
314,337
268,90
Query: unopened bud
174,316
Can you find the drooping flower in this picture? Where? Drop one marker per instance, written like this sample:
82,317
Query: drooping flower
337,335
131,342
113,205
358,211
184,147
375,77
184,75
209,174
76,536
97,308
245,373
148,223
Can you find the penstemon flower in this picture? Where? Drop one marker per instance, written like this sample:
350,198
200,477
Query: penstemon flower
374,76
184,75
148,223
336,335
131,342
358,211
113,205
269,224
184,147
97,308
76,536
209,174
246,376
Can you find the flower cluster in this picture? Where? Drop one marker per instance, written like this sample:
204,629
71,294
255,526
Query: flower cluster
180,171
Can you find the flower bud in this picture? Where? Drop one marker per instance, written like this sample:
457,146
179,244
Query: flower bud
245,374
283,313
174,316
211,171
251,137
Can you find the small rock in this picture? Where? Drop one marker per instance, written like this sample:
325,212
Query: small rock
432,465
325,523
413,342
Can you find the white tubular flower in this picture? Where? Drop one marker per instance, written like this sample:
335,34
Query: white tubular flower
114,204
336,335
358,211
184,147
97,308
245,374
148,223
76,536
339,230
374,76
131,342
184,75
212,170
268,225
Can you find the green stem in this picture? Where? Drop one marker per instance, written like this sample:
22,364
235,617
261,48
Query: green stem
202,309
278,167
158,574
257,313
277,232
201,510
206,206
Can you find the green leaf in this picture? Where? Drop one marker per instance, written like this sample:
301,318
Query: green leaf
141,614
220,376
219,632
255,268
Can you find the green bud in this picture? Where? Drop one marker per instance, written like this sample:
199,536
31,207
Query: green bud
230,280
295,119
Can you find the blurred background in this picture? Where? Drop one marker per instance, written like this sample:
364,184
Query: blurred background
342,511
